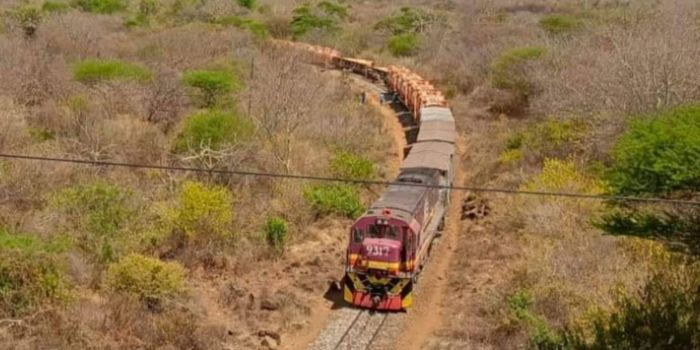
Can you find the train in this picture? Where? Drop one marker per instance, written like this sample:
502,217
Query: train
389,245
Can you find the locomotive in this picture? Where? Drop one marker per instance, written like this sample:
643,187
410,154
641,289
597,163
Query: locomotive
390,243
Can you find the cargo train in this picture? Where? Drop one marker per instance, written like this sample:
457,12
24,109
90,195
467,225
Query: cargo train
388,246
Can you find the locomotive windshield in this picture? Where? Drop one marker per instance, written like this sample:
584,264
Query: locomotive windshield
382,231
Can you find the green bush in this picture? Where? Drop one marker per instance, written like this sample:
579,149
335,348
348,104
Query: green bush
249,4
403,45
559,24
258,29
101,6
324,16
658,155
408,21
96,70
146,10
215,130
339,199
347,165
520,304
55,6
97,213
276,232
30,273
28,17
665,314
211,84
202,210
507,69
151,280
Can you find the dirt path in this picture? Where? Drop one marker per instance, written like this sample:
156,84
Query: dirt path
426,315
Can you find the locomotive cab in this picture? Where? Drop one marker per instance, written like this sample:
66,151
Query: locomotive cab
380,261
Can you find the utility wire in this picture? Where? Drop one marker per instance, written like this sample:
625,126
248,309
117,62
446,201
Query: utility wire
353,181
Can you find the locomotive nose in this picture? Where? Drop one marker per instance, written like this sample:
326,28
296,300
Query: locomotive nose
381,253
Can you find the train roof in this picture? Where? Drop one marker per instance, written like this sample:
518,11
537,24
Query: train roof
404,199
437,130
436,113
429,154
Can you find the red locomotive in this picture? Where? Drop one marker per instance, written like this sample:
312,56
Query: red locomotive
390,243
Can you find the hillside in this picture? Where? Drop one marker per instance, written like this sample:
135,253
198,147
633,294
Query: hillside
592,97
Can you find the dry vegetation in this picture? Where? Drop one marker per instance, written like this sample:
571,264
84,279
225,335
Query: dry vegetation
130,258
541,89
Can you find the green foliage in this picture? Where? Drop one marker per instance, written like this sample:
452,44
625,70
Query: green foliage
339,199
563,175
211,84
658,155
258,29
553,138
249,4
97,213
559,24
151,280
520,304
276,232
507,70
324,17
28,17
680,227
215,130
408,21
347,165
664,315
29,273
55,6
146,10
97,70
403,44
101,6
202,210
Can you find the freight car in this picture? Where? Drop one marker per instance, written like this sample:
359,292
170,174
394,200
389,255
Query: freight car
391,242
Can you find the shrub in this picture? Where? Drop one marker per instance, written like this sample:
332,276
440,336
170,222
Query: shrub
324,16
665,314
249,4
98,212
101,6
520,304
258,29
658,154
403,45
347,165
146,9
339,199
28,17
96,70
408,21
215,130
558,24
212,84
559,175
151,280
276,232
29,273
507,70
55,6
202,210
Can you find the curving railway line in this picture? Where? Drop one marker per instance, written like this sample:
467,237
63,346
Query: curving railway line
389,245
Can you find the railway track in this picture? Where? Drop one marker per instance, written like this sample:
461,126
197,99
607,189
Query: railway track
353,329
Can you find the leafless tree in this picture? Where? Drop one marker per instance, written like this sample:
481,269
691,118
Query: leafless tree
284,95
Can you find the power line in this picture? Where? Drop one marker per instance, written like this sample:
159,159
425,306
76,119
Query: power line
353,181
